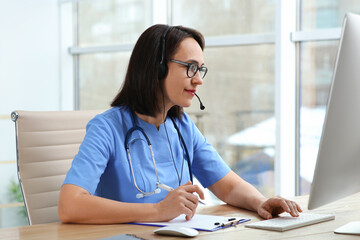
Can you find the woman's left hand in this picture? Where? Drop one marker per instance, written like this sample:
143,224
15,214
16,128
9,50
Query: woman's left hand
276,205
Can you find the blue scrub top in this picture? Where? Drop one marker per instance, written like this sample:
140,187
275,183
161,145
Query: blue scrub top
102,166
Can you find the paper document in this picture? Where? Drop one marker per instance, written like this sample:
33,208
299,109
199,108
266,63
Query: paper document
200,222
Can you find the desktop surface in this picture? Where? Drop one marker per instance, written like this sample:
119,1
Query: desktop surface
345,210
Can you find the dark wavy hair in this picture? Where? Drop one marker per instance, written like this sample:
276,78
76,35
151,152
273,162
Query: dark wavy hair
141,86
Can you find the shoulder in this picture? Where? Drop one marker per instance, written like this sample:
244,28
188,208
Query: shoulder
113,115
111,118
185,120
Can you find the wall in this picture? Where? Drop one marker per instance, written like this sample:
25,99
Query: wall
29,75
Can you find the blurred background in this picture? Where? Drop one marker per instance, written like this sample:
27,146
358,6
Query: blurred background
270,69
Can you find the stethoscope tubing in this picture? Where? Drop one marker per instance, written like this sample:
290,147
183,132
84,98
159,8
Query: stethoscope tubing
127,147
185,148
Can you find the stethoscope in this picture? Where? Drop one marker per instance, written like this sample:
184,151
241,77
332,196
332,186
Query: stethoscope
158,183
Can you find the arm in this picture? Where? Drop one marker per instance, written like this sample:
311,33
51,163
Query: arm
235,191
76,205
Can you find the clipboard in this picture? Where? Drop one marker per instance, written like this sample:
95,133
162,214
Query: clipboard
209,223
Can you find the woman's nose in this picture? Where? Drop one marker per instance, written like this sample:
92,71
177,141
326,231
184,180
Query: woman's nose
197,79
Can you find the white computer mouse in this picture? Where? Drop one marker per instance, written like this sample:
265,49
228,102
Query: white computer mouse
177,231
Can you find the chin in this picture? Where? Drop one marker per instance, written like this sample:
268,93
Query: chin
186,105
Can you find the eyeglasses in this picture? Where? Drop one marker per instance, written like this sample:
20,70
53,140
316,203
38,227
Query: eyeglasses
192,68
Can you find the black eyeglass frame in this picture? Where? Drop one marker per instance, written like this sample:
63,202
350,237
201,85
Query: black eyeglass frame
202,69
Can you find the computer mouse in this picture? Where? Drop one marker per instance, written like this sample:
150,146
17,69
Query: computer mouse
177,231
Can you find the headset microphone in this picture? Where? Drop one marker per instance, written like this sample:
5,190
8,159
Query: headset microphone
202,107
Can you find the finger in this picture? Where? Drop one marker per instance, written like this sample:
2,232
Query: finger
186,184
264,214
187,199
189,217
191,205
195,189
298,207
294,205
192,197
293,210
285,206
198,198
188,213
190,209
200,193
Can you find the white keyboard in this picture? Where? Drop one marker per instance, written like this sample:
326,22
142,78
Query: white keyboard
286,222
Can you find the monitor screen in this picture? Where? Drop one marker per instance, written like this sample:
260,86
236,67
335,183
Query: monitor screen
337,170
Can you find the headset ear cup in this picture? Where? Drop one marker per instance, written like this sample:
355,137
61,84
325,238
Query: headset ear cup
163,70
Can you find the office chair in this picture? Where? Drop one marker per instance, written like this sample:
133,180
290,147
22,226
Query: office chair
46,144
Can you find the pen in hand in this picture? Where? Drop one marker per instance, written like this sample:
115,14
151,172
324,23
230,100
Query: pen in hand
199,199
167,188
202,202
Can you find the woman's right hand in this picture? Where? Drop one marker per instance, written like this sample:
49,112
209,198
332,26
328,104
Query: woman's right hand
180,201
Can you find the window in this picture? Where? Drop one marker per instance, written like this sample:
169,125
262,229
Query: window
241,79
238,91
239,97
109,22
100,78
106,23
323,14
237,17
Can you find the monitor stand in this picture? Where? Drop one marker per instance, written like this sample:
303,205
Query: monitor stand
349,228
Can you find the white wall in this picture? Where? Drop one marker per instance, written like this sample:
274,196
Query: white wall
29,59
29,71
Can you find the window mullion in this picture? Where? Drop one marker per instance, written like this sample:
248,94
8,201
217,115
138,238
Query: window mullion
285,99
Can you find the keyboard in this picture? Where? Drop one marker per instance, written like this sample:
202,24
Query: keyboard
286,222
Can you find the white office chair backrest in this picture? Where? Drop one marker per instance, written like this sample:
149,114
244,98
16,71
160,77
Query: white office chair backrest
46,145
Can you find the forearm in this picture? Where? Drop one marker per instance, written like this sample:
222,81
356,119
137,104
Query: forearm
86,208
237,192
245,195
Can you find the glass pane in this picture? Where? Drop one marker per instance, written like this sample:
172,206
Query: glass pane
326,13
230,17
100,78
13,217
238,93
8,173
317,63
112,21
12,211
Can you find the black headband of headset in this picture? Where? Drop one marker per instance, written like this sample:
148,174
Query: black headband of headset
163,44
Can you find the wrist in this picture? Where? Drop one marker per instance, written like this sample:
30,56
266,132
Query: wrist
145,212
259,202
154,212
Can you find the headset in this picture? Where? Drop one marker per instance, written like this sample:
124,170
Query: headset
163,68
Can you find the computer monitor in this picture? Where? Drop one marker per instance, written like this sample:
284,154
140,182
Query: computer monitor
337,170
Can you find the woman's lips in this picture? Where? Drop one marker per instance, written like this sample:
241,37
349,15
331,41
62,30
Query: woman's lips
191,92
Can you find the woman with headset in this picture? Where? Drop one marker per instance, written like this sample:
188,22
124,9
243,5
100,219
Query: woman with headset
137,159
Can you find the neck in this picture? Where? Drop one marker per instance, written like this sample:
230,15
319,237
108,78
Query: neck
159,117
157,120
